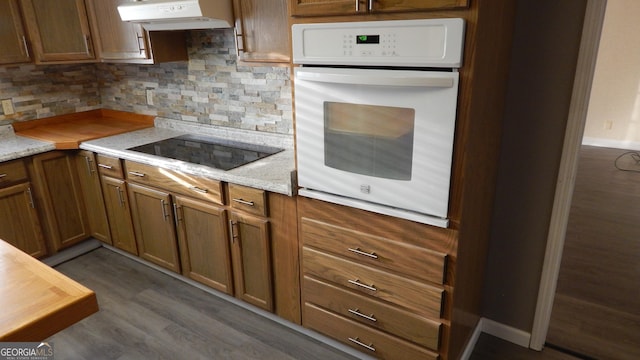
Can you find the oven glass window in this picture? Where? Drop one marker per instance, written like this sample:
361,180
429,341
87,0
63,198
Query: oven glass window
368,139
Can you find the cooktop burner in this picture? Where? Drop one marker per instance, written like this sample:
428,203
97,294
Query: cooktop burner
215,152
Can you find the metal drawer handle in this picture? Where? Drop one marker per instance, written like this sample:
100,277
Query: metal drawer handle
360,252
200,190
105,166
135,173
120,196
357,312
3,175
244,202
358,283
357,341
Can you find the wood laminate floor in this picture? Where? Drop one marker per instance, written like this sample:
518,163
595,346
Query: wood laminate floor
146,314
596,309
492,348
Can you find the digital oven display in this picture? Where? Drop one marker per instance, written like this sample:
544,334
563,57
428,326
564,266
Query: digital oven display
368,39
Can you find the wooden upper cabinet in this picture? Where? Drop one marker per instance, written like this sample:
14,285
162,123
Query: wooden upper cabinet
353,7
58,30
120,41
13,42
262,30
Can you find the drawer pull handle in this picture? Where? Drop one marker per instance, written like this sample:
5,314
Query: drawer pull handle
357,312
200,190
135,173
358,283
243,202
3,175
363,253
104,166
357,341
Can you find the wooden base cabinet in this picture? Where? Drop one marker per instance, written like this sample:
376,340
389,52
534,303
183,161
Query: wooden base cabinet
153,223
116,201
204,249
22,229
376,283
251,257
92,194
60,194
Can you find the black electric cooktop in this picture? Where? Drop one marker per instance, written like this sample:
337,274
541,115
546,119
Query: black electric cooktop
214,152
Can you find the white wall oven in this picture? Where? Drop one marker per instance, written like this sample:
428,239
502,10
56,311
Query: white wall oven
375,106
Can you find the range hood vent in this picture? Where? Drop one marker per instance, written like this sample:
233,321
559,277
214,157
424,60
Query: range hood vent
178,14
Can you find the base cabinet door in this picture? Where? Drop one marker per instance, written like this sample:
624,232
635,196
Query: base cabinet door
61,195
204,245
251,257
92,193
116,201
21,229
153,223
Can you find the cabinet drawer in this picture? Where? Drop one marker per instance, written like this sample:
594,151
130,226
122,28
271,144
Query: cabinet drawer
368,311
12,171
175,181
405,258
109,166
422,298
361,337
248,199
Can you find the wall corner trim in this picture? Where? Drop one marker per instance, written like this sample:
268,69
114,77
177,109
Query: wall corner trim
499,330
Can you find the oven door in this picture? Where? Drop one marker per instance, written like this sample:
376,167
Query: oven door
378,138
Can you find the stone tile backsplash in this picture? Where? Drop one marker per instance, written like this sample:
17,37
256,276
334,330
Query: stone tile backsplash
209,89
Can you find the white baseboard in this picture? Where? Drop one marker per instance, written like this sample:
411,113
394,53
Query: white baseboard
499,330
616,144
506,332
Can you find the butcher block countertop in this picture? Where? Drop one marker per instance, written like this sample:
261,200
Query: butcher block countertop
37,301
68,131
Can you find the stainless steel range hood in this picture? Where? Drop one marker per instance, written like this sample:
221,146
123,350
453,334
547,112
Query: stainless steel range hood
178,14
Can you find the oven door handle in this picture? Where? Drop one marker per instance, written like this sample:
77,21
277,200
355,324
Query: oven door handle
376,80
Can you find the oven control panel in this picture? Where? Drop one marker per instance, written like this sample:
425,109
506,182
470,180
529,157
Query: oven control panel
422,43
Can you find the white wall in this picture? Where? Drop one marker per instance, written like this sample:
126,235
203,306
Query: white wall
613,117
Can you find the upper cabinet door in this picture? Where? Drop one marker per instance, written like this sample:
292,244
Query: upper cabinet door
13,42
262,30
114,38
352,7
59,30
120,41
326,7
414,5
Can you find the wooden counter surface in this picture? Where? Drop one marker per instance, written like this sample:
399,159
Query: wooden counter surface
68,131
37,301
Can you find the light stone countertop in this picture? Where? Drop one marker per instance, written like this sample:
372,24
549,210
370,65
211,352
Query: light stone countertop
275,173
13,146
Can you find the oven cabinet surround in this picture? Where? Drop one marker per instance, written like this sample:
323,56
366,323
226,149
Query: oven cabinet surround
117,204
13,39
481,100
91,188
356,7
22,229
58,30
119,41
60,195
246,248
261,29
